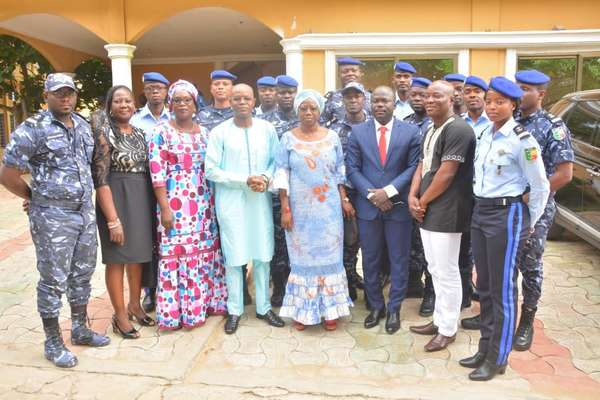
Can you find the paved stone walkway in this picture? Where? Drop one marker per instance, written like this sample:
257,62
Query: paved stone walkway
261,362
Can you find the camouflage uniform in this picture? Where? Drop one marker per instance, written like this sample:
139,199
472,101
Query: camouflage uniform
61,213
209,117
555,142
343,128
280,263
334,106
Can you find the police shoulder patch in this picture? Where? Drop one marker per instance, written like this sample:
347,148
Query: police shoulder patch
531,153
558,131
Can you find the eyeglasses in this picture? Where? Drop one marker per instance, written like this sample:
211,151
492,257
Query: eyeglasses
154,88
187,101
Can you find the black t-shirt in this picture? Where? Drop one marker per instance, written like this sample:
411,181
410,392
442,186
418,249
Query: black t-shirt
454,141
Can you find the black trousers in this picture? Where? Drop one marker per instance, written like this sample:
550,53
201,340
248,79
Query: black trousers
497,234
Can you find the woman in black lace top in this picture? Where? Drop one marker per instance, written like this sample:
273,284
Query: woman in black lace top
124,205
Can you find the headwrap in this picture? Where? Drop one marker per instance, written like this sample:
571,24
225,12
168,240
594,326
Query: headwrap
182,85
306,94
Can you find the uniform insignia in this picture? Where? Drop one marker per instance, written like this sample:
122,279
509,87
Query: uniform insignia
558,133
328,95
519,129
531,154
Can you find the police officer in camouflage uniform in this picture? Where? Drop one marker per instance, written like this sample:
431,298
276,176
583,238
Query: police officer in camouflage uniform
354,97
56,146
557,153
220,110
349,71
283,119
267,95
417,263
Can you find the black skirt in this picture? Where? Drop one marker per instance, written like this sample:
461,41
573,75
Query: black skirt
134,200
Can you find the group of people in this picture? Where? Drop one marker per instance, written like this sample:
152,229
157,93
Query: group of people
424,178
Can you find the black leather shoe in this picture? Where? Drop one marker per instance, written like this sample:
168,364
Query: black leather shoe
524,335
392,322
149,301
272,319
487,371
373,318
472,323
427,305
232,323
475,361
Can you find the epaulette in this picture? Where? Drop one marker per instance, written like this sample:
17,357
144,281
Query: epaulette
331,122
81,116
554,120
328,95
521,132
35,120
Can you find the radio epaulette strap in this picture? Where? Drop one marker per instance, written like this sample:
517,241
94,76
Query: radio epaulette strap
521,132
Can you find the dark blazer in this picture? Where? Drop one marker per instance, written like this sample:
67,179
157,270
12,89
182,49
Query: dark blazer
365,171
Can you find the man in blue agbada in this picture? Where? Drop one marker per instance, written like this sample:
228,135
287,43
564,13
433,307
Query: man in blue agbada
240,160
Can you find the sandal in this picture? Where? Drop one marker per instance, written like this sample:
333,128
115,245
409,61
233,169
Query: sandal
299,326
330,325
131,334
145,321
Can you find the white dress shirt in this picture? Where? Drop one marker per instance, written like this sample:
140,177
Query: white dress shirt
390,190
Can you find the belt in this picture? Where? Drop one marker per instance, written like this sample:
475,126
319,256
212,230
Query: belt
66,204
498,201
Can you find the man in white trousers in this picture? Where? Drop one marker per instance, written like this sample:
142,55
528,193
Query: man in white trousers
441,200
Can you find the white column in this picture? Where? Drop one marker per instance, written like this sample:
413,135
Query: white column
293,59
464,62
120,56
510,64
330,71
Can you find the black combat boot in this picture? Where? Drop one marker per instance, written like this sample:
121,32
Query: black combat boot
415,285
54,347
467,291
524,334
428,303
80,333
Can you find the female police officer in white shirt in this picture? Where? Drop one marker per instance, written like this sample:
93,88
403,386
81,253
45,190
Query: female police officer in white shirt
507,162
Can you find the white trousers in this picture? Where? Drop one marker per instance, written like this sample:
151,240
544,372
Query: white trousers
441,252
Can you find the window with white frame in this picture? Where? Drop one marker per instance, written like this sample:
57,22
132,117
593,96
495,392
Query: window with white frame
379,70
569,73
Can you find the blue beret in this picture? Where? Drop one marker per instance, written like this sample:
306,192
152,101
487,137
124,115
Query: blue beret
476,81
155,77
455,78
349,61
532,77
506,87
222,74
286,81
404,67
419,81
266,81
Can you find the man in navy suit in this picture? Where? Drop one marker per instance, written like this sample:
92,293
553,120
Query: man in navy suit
383,154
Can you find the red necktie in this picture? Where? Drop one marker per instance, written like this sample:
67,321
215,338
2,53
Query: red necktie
382,146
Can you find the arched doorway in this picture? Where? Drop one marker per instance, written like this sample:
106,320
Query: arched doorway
191,44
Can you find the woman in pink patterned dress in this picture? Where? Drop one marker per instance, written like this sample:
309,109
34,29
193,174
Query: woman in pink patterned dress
191,276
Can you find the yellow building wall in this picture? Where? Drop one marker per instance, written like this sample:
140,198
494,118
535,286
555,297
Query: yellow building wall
487,63
62,59
119,21
313,71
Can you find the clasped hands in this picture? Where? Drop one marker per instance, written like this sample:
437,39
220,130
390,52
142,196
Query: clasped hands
379,198
257,183
416,207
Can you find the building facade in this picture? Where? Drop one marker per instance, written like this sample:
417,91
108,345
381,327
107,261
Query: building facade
189,38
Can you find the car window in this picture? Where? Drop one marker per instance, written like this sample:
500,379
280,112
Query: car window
584,121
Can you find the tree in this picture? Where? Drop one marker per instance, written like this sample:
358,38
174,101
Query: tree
22,73
93,77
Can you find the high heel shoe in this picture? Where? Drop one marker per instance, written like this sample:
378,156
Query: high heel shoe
131,334
146,321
